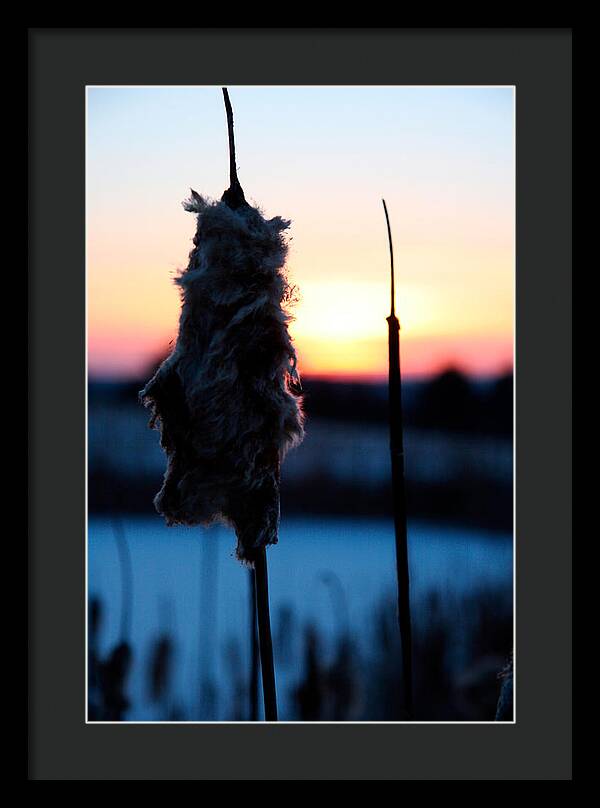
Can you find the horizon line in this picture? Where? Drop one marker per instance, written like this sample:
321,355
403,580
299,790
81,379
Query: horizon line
342,378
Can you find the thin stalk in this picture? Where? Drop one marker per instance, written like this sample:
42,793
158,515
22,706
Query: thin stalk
208,614
254,653
234,196
398,488
338,601
126,568
264,635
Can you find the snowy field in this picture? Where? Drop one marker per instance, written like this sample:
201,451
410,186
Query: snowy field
329,572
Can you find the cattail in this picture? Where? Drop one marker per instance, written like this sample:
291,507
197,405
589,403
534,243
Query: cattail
398,486
223,399
226,399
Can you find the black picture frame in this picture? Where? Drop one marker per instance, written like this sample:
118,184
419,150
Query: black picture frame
61,63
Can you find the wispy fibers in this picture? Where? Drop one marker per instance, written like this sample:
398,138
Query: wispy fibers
398,487
225,400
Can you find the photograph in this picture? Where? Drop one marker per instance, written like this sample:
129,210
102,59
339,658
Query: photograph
300,452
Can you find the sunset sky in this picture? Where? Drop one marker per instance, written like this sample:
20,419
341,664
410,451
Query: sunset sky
323,157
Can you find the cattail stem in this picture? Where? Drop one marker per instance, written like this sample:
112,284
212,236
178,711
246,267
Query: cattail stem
264,635
234,196
398,489
254,653
233,180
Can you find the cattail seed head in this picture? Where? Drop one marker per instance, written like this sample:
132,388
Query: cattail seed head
226,399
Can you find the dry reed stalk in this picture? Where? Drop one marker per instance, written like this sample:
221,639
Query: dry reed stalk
264,635
398,488
254,652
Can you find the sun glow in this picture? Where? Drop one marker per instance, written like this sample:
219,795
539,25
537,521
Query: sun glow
448,179
356,310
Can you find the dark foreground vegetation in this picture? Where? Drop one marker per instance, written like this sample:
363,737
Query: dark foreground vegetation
458,438
459,656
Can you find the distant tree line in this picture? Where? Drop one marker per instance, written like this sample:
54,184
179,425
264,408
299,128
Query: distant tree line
449,402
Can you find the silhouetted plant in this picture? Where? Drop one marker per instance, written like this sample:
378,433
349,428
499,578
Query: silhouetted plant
226,400
338,600
327,691
254,649
342,681
399,490
114,671
159,669
285,636
309,694
107,677
433,679
94,628
237,681
504,708
383,699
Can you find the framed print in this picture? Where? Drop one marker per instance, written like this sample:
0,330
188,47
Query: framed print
329,541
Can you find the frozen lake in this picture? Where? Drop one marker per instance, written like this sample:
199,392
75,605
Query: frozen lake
329,571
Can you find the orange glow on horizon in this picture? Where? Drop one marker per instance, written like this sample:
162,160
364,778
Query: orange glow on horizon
448,180
339,329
